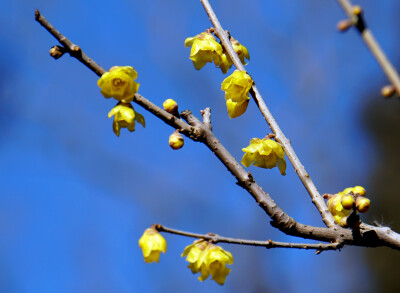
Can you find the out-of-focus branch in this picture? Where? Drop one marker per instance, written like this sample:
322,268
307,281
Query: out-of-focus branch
279,135
368,236
215,238
356,16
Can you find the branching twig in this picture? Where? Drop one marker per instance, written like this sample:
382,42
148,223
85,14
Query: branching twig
279,136
368,236
215,238
372,44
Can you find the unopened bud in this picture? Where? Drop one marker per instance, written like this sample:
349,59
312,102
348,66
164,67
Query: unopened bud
176,140
171,107
357,10
363,204
388,91
348,201
344,25
359,190
56,51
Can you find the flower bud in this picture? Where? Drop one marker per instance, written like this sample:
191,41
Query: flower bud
171,106
359,190
344,25
348,201
57,51
357,10
362,204
176,140
388,91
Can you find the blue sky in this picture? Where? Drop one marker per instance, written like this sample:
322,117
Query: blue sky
75,198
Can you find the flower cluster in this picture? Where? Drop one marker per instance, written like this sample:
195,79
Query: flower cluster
206,49
119,83
125,117
236,87
347,202
208,259
152,244
264,153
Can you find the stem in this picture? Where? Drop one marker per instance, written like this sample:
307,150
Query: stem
215,238
372,44
279,136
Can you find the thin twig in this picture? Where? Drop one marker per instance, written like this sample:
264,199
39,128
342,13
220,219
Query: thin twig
372,44
368,236
206,113
215,238
279,136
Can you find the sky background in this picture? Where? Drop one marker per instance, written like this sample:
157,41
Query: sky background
75,199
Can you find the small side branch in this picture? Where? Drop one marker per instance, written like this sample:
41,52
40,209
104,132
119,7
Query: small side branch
372,44
279,135
215,238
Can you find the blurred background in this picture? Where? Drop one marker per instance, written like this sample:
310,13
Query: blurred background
75,199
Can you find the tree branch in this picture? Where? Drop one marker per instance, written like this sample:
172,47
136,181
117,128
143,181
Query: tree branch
215,238
279,136
372,44
368,236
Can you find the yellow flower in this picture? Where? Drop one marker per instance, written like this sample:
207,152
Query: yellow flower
264,153
240,50
226,63
236,87
125,117
207,259
337,210
119,83
204,49
152,243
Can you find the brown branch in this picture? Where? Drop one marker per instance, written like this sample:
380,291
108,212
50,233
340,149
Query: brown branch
372,44
279,136
215,238
368,236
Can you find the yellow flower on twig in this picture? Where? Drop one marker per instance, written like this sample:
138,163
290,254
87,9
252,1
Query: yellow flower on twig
119,83
125,117
152,244
236,87
204,49
264,153
208,259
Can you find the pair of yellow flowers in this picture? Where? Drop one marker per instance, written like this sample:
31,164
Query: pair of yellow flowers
203,257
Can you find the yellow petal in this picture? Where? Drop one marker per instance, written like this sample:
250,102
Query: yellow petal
236,109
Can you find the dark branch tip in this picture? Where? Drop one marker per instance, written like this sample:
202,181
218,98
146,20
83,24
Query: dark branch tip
37,14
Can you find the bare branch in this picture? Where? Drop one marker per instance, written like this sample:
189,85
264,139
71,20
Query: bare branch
215,238
279,136
372,44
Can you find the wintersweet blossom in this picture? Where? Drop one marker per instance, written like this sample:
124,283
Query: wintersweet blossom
208,259
152,244
125,117
264,153
119,83
236,87
344,203
204,49
240,50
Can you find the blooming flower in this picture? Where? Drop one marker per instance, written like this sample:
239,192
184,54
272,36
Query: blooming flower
204,49
208,259
152,243
226,63
240,50
264,153
236,87
119,83
125,117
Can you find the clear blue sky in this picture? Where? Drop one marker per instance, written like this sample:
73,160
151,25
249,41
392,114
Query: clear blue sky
75,199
